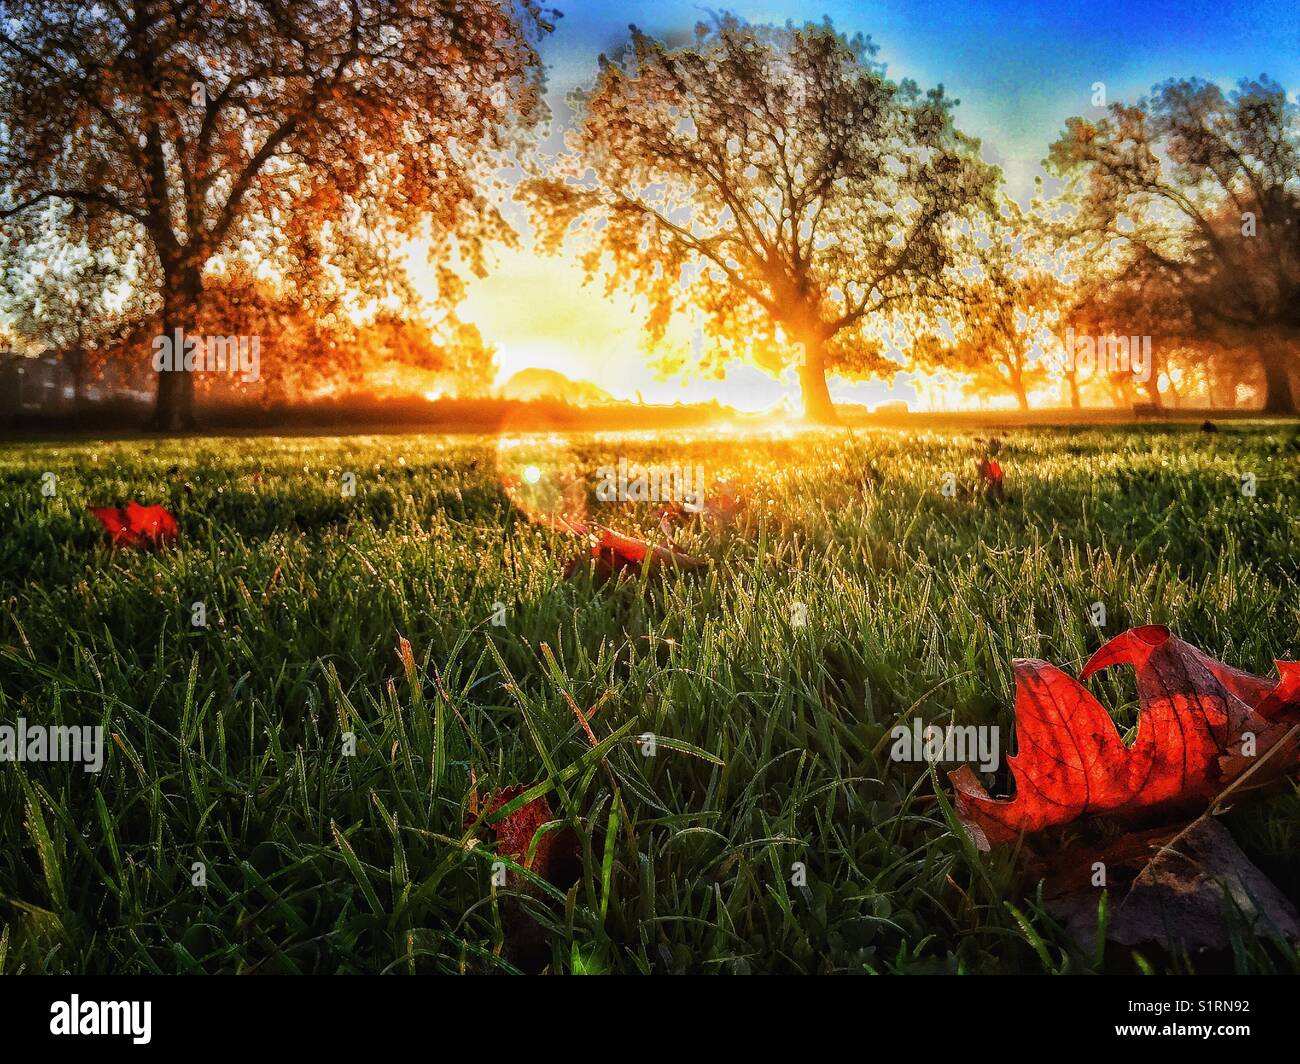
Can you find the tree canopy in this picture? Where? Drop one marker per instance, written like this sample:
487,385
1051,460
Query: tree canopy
1202,188
1006,293
302,135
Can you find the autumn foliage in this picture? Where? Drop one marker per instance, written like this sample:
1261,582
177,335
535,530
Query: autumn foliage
806,196
310,137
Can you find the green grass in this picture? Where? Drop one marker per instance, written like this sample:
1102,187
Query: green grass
227,741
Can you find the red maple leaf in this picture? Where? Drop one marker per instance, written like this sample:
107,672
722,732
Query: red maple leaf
990,474
614,554
1201,724
136,526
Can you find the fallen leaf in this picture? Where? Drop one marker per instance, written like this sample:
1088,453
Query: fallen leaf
555,856
989,471
1201,725
1175,892
136,526
614,554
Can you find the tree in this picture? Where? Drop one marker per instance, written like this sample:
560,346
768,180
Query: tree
1111,301
334,348
315,349
62,297
773,179
1203,190
1005,294
306,133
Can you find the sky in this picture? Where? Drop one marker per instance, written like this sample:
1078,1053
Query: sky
1018,68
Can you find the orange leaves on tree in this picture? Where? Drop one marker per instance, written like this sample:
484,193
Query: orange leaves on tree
135,525
1201,726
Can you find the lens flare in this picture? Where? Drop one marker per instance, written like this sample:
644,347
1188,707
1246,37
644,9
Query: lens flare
541,473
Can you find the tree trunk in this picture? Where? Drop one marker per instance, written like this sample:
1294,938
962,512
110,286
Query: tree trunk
76,363
1018,387
1279,398
1153,390
174,405
817,405
1075,402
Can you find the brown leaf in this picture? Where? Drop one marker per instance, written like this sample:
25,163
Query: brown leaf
1180,895
552,854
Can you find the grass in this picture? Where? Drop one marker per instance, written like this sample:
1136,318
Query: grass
227,741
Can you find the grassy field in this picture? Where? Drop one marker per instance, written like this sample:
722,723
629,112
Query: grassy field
227,745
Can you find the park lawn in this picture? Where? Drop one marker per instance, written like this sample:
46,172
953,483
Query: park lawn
227,742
